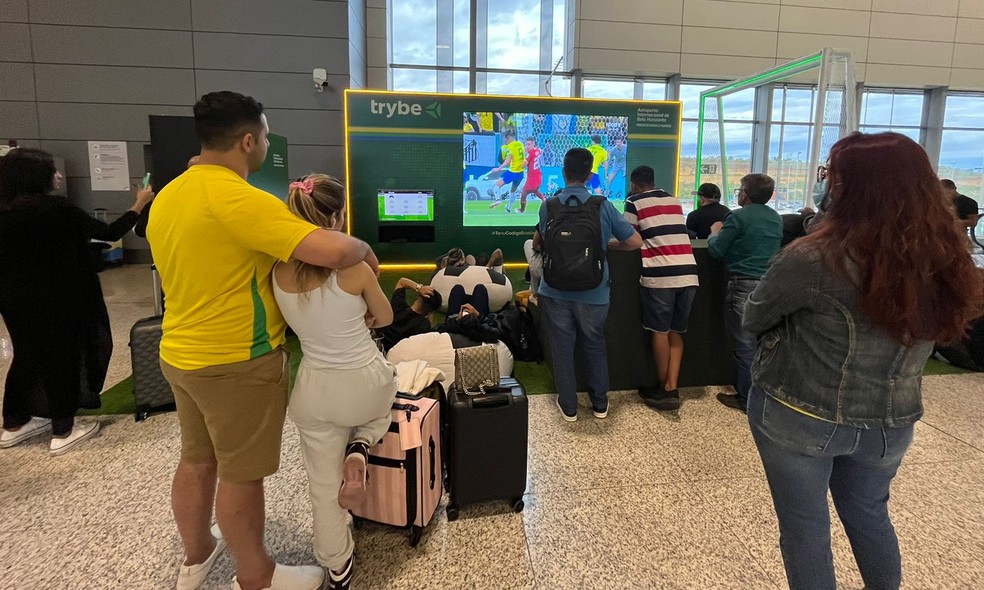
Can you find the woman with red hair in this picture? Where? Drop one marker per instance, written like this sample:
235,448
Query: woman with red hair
846,318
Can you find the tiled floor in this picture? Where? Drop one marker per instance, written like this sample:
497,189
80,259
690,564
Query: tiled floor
640,500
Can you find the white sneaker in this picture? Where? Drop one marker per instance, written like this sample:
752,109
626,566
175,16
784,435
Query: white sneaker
190,577
566,416
83,430
34,427
293,577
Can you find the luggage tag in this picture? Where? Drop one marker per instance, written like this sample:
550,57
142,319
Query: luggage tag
409,431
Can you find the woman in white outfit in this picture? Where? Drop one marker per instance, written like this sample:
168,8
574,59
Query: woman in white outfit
345,387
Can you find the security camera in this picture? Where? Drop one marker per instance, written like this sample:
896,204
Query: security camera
320,79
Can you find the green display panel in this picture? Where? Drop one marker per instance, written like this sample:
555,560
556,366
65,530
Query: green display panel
272,177
475,156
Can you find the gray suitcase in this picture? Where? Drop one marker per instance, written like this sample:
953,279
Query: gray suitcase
151,391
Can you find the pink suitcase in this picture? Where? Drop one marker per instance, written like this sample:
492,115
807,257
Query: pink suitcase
405,487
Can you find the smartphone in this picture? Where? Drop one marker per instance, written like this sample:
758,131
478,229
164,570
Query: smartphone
146,180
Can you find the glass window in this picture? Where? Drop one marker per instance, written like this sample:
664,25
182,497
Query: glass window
964,111
560,86
789,148
514,35
887,110
690,95
688,164
791,142
608,88
739,106
654,90
414,42
438,33
513,84
793,105
414,80
461,83
962,147
461,48
558,50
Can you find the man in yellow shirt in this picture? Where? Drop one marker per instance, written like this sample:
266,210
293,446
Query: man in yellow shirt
600,156
515,156
215,240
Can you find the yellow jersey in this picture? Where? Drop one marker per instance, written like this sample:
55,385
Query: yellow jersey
518,152
485,121
600,155
215,240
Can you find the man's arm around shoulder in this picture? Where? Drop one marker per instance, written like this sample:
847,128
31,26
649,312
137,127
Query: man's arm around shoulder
333,249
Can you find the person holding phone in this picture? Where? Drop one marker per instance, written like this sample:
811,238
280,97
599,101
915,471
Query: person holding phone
52,303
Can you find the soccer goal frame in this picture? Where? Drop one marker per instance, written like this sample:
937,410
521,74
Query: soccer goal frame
834,113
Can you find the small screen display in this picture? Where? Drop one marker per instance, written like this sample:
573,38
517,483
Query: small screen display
405,205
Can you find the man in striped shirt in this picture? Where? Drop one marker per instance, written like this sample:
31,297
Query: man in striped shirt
669,280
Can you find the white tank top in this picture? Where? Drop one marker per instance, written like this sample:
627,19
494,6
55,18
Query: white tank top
331,325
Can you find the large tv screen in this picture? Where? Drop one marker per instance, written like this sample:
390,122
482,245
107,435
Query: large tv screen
511,167
475,158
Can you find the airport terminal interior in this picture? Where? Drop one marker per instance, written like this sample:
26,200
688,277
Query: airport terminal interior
639,499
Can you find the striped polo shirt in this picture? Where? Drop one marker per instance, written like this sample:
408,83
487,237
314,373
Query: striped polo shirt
667,258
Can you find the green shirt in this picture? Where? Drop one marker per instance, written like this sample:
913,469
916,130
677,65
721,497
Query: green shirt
750,237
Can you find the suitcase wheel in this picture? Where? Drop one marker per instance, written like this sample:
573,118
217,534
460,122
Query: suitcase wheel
518,505
415,533
452,511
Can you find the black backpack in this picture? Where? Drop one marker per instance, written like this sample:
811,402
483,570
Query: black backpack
517,331
573,259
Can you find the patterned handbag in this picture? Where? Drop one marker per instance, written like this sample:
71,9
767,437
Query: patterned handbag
476,368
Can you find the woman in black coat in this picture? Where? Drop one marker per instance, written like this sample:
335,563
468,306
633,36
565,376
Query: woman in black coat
52,303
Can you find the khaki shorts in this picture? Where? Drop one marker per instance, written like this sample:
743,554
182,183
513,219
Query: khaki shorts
233,415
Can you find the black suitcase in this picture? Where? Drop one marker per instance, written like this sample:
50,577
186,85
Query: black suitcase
151,391
487,438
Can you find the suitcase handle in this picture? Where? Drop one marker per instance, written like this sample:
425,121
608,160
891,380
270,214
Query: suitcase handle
410,396
433,475
490,400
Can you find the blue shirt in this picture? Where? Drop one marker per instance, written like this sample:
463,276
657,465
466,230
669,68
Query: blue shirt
613,225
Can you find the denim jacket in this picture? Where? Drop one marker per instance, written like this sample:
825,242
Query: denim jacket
819,353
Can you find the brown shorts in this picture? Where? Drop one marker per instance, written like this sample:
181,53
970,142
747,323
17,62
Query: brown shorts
233,415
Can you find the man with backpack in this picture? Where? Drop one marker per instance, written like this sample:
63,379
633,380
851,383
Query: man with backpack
576,228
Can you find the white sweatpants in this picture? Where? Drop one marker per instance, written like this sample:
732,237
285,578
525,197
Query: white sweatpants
331,408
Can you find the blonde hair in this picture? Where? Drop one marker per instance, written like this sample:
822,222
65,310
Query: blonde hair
325,201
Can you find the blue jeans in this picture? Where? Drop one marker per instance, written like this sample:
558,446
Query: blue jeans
742,343
584,324
803,458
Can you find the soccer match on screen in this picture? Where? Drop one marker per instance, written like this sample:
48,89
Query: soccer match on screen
513,162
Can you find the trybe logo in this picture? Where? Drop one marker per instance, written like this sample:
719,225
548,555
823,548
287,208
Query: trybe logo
403,108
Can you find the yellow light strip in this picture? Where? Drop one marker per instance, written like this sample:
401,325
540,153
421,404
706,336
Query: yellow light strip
348,169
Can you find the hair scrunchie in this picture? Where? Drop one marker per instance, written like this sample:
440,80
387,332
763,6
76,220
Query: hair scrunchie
306,186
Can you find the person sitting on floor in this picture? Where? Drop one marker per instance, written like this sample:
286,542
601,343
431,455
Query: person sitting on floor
409,320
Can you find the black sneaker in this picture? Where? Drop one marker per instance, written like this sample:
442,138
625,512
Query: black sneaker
663,400
341,580
733,402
